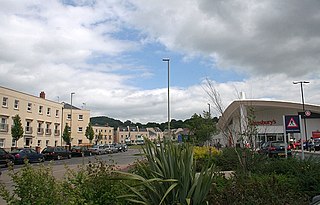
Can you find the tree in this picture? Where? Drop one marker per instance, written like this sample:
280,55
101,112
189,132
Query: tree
17,129
89,133
67,135
98,137
201,129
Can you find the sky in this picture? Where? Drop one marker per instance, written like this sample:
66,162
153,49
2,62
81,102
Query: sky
110,53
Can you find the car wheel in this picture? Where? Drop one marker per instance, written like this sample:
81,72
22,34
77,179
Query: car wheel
69,156
82,154
59,157
90,154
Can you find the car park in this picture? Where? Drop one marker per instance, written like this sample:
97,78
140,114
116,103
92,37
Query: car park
56,153
275,149
80,151
98,149
5,157
29,154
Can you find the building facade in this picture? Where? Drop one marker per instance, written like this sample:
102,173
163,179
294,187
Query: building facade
267,118
78,120
103,135
41,119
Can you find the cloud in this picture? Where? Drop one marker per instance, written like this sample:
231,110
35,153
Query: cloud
86,47
264,37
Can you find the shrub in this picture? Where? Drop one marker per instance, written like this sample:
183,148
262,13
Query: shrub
262,189
170,177
33,186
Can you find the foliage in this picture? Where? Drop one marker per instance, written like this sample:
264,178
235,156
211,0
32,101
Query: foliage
17,129
257,189
89,133
98,137
33,186
204,155
204,152
66,136
201,129
94,184
170,177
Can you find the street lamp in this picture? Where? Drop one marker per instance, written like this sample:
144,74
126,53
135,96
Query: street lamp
209,111
71,114
304,116
168,62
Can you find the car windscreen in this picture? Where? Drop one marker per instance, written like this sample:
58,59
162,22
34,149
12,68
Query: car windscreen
278,144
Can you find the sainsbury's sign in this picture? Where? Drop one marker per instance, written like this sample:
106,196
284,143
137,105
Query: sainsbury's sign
264,122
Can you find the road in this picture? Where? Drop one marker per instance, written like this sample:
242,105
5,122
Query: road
121,160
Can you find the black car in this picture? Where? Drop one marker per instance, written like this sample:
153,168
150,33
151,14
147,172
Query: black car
275,149
22,154
5,157
56,153
80,151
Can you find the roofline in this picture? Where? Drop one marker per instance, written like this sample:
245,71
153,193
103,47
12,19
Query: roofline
254,102
30,95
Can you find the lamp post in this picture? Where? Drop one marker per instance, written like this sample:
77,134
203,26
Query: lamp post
209,111
168,63
304,117
71,114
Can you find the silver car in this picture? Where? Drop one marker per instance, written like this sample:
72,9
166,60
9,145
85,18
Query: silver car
98,149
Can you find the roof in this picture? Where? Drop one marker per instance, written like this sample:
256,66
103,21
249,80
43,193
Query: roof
68,106
235,105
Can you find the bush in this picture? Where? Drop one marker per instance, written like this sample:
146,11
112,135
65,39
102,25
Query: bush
33,186
255,190
204,156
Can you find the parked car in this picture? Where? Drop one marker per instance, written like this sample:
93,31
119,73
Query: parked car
98,149
317,145
110,148
80,151
5,157
22,154
124,147
118,146
275,149
56,153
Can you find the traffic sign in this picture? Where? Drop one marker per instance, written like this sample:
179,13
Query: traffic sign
292,124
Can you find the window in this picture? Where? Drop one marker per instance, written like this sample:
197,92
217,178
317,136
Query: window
57,113
29,107
80,117
3,124
39,143
2,143
69,116
40,109
4,102
16,104
47,143
79,129
48,111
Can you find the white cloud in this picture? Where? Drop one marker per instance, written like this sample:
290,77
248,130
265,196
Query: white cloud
50,47
264,37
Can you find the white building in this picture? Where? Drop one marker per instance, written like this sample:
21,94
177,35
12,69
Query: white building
267,118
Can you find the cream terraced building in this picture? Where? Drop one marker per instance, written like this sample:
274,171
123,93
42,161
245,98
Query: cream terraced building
42,120
78,119
107,135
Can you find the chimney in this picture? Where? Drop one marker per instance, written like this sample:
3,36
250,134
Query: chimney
42,95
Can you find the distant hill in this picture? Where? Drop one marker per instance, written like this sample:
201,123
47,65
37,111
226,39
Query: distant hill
103,120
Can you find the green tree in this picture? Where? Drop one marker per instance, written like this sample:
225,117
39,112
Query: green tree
98,137
17,129
66,134
89,133
201,129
